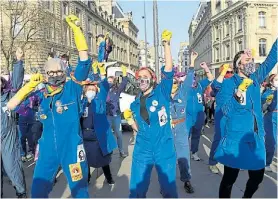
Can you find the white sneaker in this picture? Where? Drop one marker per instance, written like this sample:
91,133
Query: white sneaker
195,157
213,169
268,169
207,126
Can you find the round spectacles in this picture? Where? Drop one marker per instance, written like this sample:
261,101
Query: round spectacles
52,73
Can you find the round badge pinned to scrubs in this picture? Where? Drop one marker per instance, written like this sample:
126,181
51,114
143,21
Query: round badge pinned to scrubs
59,109
43,116
58,103
154,103
179,100
152,109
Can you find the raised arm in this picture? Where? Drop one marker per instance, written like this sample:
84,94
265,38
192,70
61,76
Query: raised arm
166,38
124,80
18,71
269,63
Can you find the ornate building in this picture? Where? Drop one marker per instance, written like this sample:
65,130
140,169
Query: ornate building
97,17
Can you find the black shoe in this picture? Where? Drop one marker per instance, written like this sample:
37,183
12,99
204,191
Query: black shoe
110,182
188,187
21,195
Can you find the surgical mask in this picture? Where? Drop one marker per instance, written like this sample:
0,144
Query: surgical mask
91,94
249,69
57,80
275,84
144,84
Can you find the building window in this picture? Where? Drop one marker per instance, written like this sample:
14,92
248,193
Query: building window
78,13
227,52
227,28
90,25
262,47
17,25
216,33
217,54
65,8
240,46
240,22
49,5
262,19
66,35
90,41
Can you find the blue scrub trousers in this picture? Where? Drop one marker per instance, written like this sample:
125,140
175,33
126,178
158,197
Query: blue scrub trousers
270,125
196,130
26,133
115,123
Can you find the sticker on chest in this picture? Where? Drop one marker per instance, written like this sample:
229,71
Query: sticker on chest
75,172
81,155
199,97
242,98
86,111
162,116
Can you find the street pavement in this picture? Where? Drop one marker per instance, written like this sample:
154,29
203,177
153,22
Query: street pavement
205,183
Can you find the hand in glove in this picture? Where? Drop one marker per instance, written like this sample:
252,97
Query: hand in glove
101,68
225,69
124,70
245,84
269,99
128,116
166,36
35,80
79,37
95,67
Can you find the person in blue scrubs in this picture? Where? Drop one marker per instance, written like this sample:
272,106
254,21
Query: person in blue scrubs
178,124
59,112
269,102
10,146
113,107
99,141
154,141
226,71
242,145
195,110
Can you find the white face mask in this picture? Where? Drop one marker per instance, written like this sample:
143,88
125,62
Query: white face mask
275,84
90,94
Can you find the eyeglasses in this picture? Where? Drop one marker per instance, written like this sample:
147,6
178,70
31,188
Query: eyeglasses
143,80
52,73
230,72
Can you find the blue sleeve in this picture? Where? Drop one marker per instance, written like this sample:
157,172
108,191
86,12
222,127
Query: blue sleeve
216,86
186,84
17,75
123,85
104,88
225,99
265,94
166,83
269,63
82,70
204,84
101,52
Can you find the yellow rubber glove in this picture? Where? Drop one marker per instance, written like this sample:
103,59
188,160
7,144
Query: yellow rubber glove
245,84
101,68
95,67
166,36
79,37
269,99
35,80
225,69
124,70
128,116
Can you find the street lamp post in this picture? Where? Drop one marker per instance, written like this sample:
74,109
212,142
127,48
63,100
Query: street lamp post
155,22
146,43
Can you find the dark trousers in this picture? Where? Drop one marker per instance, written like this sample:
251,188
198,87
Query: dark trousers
106,172
230,176
26,133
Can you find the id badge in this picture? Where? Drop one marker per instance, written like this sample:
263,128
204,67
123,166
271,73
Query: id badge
162,116
200,99
85,114
81,155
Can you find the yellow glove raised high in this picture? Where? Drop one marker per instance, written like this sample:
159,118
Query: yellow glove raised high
35,80
128,117
124,70
101,68
166,36
95,67
225,69
79,37
245,84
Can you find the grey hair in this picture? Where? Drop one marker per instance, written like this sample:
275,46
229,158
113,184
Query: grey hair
53,62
